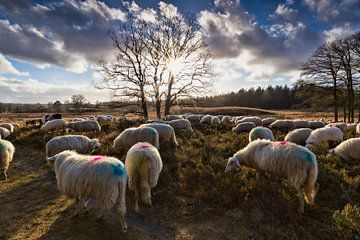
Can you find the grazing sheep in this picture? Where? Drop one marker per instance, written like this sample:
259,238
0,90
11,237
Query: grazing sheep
261,133
237,119
155,121
340,125
52,125
49,117
301,123
99,178
7,151
348,150
351,128
78,143
267,121
8,126
316,124
298,136
182,125
172,117
85,126
4,132
131,136
206,119
324,134
215,121
283,125
256,120
165,131
293,162
244,127
193,118
143,164
16,126
104,120
226,120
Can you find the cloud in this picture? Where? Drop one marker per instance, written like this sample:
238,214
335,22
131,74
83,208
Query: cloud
283,11
338,32
7,68
69,34
34,91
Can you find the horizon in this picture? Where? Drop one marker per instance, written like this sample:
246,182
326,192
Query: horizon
49,50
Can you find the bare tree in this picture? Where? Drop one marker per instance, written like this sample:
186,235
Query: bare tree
78,101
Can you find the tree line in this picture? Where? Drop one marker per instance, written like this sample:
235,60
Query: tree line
331,77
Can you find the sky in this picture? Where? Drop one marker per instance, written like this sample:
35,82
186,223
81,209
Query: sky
50,50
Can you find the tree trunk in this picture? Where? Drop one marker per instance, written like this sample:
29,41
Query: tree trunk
168,96
335,102
143,104
158,107
344,109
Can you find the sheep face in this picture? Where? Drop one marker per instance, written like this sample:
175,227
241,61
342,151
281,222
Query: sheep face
94,144
232,164
310,196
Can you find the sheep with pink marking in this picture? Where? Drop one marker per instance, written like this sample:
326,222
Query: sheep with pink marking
99,178
131,136
283,159
143,164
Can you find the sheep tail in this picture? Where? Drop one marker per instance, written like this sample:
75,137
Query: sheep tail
311,186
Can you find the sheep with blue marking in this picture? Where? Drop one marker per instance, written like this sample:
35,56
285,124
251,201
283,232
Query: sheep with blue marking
322,135
131,136
165,131
283,159
298,136
261,133
79,143
143,164
99,178
348,150
7,151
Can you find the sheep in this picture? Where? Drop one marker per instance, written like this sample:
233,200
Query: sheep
340,125
261,133
316,124
4,132
79,143
324,134
226,120
348,150
283,125
244,127
7,151
193,118
351,128
206,119
182,125
131,136
283,159
56,124
298,136
256,120
155,121
85,126
237,118
301,123
8,126
267,121
172,117
104,120
99,178
49,117
215,121
16,126
165,131
143,164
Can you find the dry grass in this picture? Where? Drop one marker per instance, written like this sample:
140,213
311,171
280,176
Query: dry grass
194,199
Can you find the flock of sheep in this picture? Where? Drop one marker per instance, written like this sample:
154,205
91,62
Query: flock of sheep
99,183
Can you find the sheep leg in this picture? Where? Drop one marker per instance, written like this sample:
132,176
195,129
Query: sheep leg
301,199
79,206
137,200
5,175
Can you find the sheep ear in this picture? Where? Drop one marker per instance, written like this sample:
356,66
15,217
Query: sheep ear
53,158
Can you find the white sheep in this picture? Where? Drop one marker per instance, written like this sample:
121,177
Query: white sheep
237,119
104,120
4,132
298,136
283,124
143,164
226,120
351,128
16,126
244,127
215,121
53,125
348,150
165,131
7,151
172,117
301,123
193,118
99,178
267,121
256,120
325,134
181,125
293,162
261,133
131,136
206,119
316,124
8,126
155,121
340,125
85,126
79,143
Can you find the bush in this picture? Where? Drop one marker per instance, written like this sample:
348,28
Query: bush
348,221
